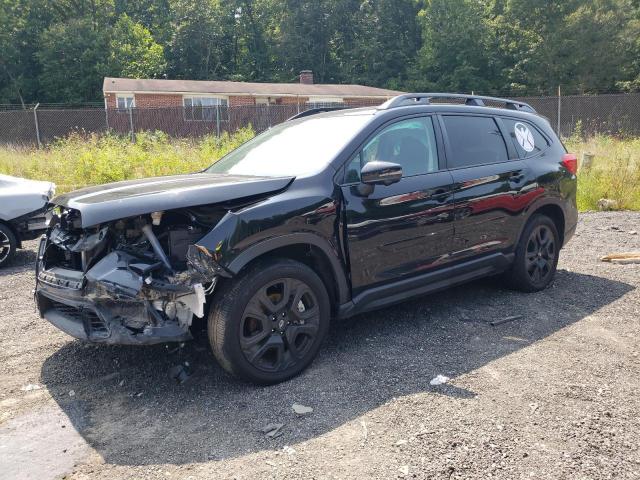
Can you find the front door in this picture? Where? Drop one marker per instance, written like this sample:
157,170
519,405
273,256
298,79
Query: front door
405,228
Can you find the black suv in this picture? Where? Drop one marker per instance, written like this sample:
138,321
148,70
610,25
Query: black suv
327,215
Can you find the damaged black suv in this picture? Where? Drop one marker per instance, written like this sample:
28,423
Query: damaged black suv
327,215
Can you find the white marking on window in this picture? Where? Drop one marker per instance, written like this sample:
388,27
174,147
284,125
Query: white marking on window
524,137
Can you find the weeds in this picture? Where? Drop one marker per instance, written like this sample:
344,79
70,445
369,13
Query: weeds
614,173
79,161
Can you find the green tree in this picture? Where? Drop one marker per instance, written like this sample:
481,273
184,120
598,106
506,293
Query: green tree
70,57
133,52
458,50
201,46
384,42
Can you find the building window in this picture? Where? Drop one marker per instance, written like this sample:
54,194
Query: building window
265,101
125,101
322,102
205,109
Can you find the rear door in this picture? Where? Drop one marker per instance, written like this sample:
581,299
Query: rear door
406,228
488,180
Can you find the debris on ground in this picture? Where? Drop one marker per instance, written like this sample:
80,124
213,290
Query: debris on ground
288,450
365,431
439,380
30,387
401,442
72,393
404,469
633,232
505,320
180,373
301,409
273,430
606,204
533,407
622,258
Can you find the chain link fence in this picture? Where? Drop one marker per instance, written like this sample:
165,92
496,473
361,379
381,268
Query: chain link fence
614,114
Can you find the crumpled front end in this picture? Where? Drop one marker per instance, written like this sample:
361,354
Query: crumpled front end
127,281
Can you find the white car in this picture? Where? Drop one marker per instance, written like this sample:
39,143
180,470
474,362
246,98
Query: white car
23,215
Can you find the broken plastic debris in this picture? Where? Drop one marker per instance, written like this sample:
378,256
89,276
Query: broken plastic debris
273,430
30,387
289,450
439,380
404,469
72,393
301,409
180,373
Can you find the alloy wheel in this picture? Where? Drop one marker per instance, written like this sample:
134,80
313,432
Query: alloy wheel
5,246
540,254
279,325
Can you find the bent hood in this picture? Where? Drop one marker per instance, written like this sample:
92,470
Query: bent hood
113,201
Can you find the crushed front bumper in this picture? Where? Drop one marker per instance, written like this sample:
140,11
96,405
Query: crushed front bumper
65,299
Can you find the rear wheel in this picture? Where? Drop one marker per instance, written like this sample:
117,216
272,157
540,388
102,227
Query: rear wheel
8,245
536,256
267,325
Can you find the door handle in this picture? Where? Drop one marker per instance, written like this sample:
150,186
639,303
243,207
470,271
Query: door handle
516,177
440,195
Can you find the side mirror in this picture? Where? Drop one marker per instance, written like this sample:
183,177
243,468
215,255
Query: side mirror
381,173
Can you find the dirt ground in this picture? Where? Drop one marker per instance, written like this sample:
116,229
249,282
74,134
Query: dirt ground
550,395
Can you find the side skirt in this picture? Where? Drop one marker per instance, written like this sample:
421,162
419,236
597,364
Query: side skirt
385,295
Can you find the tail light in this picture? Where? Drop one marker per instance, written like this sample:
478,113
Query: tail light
570,162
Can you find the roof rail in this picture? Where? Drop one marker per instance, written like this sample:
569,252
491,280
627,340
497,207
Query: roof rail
315,111
470,100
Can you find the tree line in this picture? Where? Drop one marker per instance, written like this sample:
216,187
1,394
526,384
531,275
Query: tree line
60,50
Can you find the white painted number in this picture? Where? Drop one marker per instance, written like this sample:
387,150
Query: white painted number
524,137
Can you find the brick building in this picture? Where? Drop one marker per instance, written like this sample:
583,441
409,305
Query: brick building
195,95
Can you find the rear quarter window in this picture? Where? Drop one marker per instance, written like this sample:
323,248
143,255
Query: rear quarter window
526,138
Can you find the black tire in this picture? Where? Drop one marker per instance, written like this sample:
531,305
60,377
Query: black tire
8,244
537,255
249,335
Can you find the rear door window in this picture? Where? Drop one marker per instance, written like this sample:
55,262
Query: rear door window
474,141
526,138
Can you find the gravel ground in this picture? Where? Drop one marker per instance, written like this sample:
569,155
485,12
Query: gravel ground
553,394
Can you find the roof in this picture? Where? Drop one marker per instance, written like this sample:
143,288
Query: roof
115,85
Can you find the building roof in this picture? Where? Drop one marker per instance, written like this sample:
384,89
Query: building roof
115,85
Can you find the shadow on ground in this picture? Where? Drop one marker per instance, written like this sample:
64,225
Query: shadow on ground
129,409
22,261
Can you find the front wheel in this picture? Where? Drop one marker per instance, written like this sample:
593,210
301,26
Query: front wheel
536,256
8,245
267,325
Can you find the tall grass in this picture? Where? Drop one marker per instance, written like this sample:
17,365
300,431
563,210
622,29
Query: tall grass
614,173
78,161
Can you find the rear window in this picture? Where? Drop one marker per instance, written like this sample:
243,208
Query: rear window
474,141
526,138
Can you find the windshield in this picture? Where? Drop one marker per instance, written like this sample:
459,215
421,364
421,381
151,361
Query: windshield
294,149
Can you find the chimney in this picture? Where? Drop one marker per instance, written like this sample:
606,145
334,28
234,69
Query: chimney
306,77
